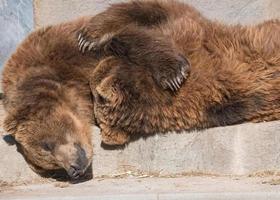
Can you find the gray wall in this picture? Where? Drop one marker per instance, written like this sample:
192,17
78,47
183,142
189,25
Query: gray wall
16,21
229,11
238,11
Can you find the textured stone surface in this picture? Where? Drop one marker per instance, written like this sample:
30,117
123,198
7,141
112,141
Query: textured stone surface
238,150
54,11
188,188
238,11
16,20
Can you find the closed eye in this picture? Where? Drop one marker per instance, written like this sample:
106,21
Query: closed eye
98,98
48,146
101,100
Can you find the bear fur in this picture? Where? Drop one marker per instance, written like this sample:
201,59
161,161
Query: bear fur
48,101
234,75
139,67
47,95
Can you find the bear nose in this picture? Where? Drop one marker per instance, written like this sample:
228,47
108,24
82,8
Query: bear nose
75,172
78,168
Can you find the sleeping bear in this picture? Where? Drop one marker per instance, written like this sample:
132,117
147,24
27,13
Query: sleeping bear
233,76
138,67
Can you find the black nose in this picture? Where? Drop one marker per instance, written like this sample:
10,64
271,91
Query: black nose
75,172
78,168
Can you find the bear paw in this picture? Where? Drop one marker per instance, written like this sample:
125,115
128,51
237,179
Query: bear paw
88,43
168,67
174,74
112,137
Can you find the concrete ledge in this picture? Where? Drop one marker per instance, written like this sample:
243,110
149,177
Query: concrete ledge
233,150
192,188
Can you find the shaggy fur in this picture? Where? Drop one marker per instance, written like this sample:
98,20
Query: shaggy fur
142,51
48,100
234,76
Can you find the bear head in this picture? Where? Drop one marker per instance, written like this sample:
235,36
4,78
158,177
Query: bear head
126,97
52,139
48,101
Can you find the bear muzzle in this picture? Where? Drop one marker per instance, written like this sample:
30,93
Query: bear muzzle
78,168
74,158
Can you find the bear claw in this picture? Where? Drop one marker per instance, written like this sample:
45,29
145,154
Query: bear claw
167,79
79,37
176,82
85,44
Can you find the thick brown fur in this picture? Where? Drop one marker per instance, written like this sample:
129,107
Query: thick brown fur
48,100
48,82
234,76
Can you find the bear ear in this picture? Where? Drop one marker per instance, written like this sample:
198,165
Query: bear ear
108,92
10,125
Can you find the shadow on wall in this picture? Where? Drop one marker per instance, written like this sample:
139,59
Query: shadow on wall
16,21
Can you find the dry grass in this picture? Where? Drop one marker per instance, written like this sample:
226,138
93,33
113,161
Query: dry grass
274,177
4,185
141,174
264,174
62,184
272,182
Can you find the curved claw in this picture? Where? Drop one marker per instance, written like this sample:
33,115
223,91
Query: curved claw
179,80
80,41
170,86
174,85
82,44
86,44
91,46
80,37
177,83
183,73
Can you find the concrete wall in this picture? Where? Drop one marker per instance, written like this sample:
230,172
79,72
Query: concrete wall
16,21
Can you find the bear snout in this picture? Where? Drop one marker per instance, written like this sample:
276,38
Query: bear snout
80,165
75,172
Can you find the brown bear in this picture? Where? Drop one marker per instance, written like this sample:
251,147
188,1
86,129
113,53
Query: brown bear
48,101
47,93
234,75
138,67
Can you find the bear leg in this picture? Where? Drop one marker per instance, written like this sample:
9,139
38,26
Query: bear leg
146,49
131,31
111,136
